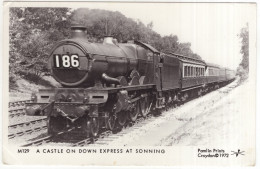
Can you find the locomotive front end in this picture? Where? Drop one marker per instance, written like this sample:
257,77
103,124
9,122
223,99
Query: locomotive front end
86,70
69,61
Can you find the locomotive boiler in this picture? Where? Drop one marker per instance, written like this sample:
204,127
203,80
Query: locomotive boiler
76,62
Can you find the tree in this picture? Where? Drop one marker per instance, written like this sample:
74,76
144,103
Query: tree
243,67
33,31
150,25
244,36
100,23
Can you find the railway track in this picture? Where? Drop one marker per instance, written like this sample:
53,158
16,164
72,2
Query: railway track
17,109
27,123
17,112
19,103
46,139
100,140
29,131
108,135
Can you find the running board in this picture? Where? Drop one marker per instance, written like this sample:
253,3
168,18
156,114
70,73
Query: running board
191,88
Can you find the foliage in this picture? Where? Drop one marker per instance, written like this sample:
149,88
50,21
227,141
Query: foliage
33,31
243,68
102,23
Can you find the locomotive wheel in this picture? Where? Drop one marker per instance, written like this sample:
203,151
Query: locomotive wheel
144,106
143,80
184,97
122,81
90,126
134,81
134,73
200,92
94,126
111,121
121,118
86,126
50,125
134,113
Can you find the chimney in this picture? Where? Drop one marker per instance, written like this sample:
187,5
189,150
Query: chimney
78,31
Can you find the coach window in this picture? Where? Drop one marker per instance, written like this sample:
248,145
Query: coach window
185,71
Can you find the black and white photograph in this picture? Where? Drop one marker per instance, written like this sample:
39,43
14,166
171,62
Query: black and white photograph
128,83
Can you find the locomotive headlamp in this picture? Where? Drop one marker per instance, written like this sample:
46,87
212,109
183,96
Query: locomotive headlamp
86,99
72,97
34,97
61,97
69,99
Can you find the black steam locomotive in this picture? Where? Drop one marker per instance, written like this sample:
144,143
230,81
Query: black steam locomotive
104,85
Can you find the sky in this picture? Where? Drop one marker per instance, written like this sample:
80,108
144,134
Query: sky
211,28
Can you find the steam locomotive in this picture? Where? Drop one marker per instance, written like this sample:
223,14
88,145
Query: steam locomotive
104,85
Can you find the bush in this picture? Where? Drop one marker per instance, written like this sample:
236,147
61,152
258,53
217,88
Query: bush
36,79
242,73
12,81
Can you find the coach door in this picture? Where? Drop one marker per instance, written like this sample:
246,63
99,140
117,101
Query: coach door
158,71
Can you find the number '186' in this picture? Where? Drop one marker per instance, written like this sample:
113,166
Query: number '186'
66,61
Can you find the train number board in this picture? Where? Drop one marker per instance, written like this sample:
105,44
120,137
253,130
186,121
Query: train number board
66,61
